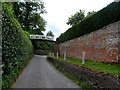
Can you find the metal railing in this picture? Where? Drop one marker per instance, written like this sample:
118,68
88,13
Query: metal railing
42,37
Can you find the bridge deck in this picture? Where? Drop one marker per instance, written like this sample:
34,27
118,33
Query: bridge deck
42,37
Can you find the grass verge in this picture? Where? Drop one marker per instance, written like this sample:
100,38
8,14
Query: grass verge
75,79
94,66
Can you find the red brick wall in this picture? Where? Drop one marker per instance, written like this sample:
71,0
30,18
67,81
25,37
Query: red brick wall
101,45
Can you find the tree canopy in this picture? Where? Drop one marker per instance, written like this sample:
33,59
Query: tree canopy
90,13
29,15
76,18
50,33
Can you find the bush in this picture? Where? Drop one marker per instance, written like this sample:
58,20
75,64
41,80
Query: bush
16,47
107,15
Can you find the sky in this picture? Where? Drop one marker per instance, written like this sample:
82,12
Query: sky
58,12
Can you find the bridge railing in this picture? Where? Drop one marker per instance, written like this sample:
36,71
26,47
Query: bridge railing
42,37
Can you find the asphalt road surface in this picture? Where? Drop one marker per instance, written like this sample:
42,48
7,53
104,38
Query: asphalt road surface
39,73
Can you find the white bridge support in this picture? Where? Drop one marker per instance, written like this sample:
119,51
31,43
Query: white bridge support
42,37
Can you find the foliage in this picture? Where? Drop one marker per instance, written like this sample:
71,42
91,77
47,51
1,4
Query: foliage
50,33
16,46
90,13
93,65
43,45
107,15
42,52
29,15
27,33
76,18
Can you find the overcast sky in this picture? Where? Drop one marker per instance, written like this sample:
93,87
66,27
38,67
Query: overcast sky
58,12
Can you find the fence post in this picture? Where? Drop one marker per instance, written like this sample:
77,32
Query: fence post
83,58
57,54
53,54
50,54
64,55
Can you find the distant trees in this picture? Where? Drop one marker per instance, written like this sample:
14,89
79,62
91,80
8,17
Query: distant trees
44,47
78,17
29,15
49,33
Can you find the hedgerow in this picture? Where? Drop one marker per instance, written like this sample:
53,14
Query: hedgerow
16,46
42,47
105,16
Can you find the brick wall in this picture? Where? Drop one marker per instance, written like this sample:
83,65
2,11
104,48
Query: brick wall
101,45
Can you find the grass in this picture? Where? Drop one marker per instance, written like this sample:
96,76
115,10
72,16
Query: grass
81,83
94,66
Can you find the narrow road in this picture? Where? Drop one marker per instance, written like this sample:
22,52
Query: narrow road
39,73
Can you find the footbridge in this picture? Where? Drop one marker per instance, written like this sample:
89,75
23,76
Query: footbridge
41,37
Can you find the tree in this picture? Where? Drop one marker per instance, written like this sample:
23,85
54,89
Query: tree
90,13
49,33
76,18
29,15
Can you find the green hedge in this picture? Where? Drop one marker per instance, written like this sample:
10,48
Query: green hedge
16,46
43,45
107,15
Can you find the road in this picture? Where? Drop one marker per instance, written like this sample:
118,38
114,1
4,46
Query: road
39,73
